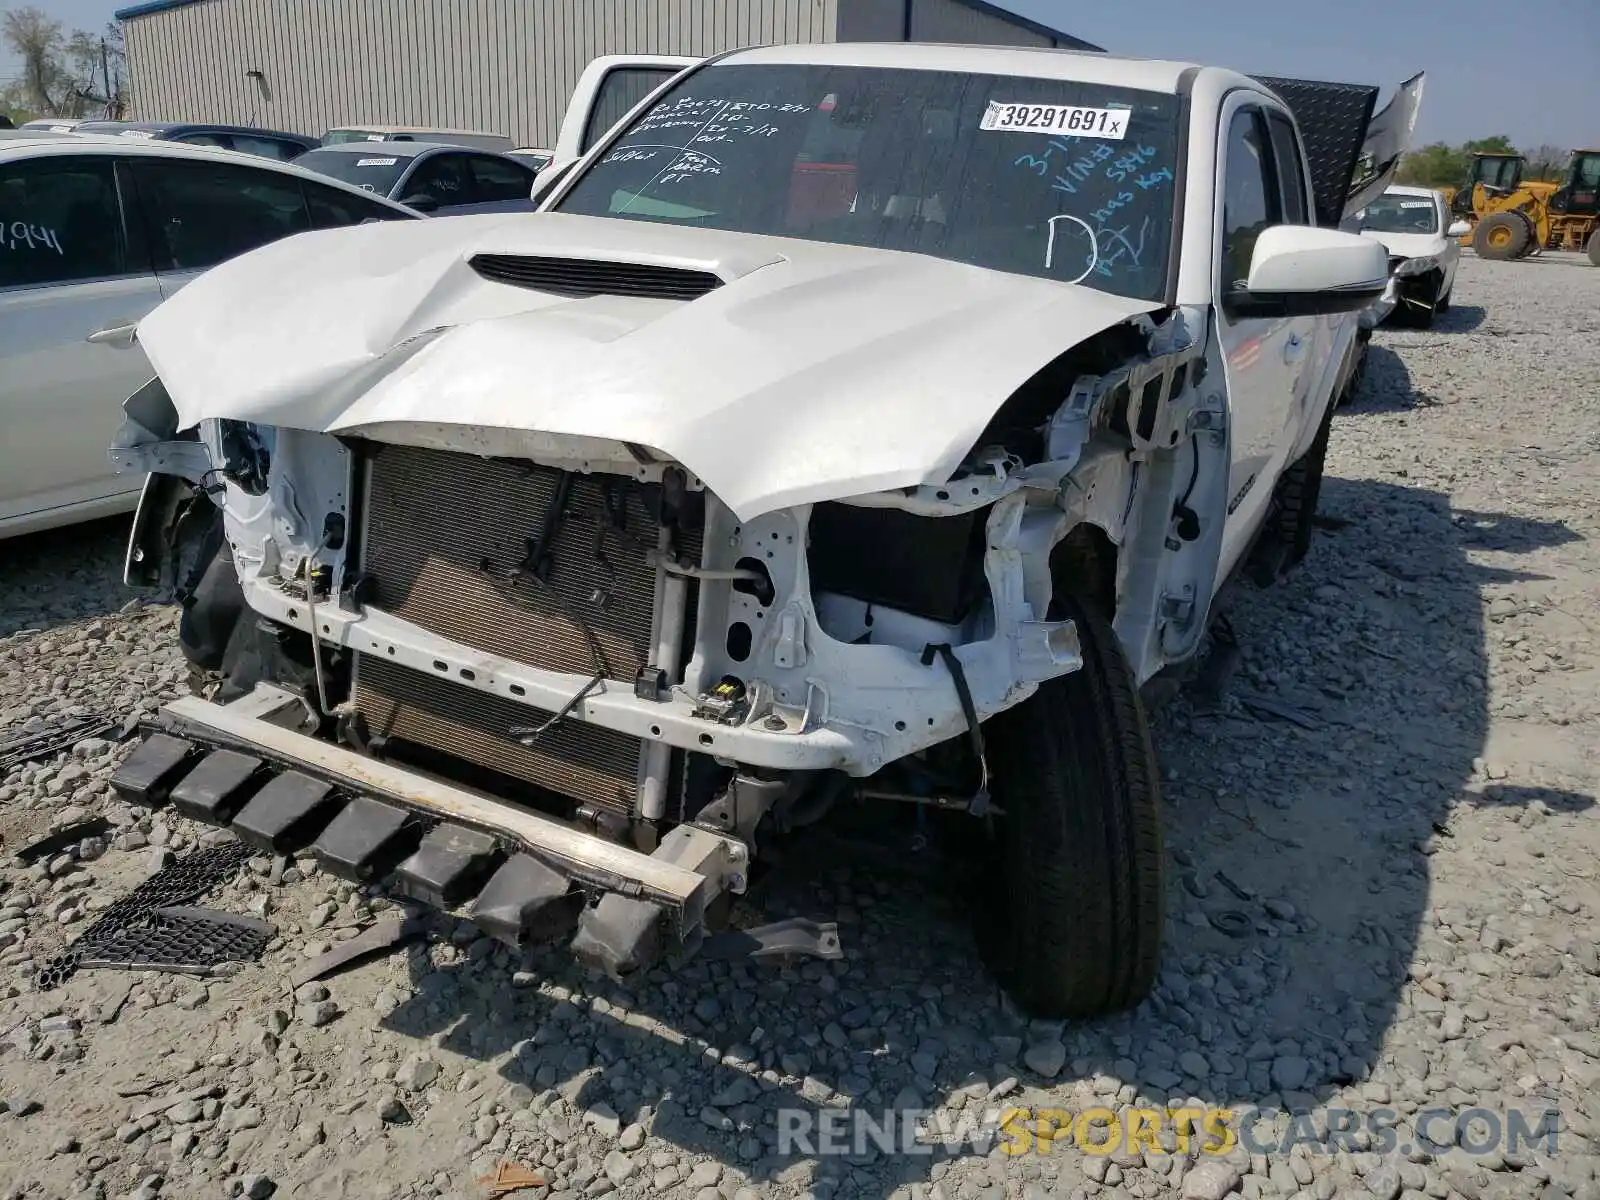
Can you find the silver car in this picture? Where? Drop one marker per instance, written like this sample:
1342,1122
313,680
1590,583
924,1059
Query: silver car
94,233
431,177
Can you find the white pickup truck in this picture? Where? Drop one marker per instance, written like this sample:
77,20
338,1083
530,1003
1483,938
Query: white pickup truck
854,424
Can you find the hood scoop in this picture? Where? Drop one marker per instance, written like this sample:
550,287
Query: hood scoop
579,277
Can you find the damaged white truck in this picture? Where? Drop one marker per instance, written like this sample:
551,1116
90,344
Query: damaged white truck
854,424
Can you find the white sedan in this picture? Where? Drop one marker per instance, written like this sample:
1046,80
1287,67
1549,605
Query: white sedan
1414,226
95,232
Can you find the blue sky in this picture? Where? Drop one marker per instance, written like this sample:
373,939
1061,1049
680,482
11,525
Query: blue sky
1534,77
1531,71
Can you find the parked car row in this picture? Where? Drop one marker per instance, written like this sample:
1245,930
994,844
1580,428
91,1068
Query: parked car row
428,177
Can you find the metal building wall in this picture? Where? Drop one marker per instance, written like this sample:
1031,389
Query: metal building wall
950,21
971,21
505,65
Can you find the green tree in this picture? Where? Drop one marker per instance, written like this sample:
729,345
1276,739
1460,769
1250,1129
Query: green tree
62,73
1548,163
1499,144
1437,165
38,40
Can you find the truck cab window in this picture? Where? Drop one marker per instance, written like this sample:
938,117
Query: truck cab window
1250,194
1286,150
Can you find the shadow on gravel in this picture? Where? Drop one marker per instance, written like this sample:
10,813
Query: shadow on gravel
61,575
1459,318
1387,386
1508,795
1298,890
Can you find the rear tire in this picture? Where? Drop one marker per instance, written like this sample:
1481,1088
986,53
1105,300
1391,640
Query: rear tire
1358,372
1299,490
1072,921
1593,248
1502,236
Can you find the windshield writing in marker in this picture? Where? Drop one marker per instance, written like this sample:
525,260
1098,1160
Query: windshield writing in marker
1117,233
690,131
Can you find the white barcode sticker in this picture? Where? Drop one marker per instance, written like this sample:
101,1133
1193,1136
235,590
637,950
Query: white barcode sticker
138,135
1108,123
1416,204
375,162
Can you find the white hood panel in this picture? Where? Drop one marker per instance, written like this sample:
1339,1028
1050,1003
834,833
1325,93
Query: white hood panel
1409,245
816,372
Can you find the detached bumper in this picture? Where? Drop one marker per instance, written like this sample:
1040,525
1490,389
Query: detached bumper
520,875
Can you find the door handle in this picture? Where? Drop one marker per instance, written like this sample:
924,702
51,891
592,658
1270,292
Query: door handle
1293,348
113,335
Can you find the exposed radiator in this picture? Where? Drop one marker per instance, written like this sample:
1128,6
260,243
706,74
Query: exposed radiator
441,531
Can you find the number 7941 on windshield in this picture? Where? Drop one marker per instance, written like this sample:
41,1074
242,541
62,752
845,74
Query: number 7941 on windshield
1108,123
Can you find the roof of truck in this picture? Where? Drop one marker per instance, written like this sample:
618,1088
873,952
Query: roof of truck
1147,74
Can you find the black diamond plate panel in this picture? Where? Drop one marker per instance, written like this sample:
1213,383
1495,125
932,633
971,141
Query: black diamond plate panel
1333,120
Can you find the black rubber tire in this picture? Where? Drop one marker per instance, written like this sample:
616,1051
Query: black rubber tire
1593,248
1072,923
1502,236
1358,373
1299,489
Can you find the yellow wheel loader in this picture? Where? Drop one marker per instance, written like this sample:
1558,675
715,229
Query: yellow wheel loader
1513,218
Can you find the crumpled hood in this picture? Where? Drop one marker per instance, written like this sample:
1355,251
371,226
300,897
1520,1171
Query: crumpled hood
1408,245
815,372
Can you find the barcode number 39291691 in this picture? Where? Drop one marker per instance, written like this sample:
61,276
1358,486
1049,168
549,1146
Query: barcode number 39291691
1108,123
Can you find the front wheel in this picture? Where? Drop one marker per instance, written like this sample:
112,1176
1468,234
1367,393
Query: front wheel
1502,236
1071,922
1593,248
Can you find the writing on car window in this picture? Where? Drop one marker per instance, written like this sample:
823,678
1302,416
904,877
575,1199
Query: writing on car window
1058,179
19,235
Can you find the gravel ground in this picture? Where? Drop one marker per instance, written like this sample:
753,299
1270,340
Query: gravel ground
1389,902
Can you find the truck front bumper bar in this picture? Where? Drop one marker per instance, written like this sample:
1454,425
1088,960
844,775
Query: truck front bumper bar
519,874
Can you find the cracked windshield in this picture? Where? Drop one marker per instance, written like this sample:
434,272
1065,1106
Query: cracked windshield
1058,179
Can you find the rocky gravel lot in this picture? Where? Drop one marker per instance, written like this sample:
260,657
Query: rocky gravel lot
1385,895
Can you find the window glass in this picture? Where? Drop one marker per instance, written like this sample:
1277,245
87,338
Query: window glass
498,179
619,91
1250,196
265,147
445,177
331,208
368,169
59,221
201,213
1287,148
1399,213
220,140
1589,171
1058,179
335,137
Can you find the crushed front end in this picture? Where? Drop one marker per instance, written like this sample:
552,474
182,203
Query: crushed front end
575,695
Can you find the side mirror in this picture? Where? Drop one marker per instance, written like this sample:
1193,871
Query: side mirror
421,201
1306,271
1458,229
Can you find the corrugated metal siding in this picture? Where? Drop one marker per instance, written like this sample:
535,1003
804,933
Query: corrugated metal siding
951,21
872,20
504,65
